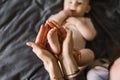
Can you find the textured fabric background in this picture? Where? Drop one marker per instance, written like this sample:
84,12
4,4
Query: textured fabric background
20,21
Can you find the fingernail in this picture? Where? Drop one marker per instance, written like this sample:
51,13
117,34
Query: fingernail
67,28
28,44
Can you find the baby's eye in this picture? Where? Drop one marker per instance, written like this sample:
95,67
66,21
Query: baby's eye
70,2
79,3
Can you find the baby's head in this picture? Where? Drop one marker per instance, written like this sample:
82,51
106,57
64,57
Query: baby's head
78,7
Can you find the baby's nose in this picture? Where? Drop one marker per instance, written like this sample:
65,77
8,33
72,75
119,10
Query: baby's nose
73,7
73,10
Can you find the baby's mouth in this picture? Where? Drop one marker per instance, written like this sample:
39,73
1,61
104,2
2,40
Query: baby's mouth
73,14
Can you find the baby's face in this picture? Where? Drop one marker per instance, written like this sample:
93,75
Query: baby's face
77,7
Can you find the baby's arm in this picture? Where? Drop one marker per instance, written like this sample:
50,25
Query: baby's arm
85,27
60,17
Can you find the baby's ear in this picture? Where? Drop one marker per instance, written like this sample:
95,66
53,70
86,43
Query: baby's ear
88,9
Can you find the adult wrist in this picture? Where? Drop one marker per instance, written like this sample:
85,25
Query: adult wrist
55,72
73,67
74,76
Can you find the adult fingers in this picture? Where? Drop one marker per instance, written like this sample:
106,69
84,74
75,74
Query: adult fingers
36,49
42,54
68,43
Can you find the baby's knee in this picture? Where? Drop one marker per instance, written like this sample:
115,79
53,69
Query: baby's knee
87,56
87,53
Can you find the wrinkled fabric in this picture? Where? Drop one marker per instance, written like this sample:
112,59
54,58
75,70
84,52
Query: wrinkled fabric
98,73
20,21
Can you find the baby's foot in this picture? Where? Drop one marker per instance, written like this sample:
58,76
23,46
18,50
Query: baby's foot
53,41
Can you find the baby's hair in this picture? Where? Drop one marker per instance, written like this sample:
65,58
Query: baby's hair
88,1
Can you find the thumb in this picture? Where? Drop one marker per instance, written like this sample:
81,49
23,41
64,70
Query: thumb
68,43
35,47
42,54
31,44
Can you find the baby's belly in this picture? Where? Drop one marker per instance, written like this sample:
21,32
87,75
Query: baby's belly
78,41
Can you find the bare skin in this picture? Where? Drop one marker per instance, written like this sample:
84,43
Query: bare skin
53,40
50,60
82,30
72,18
115,70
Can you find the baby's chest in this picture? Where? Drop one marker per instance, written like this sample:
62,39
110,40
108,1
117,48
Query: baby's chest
78,40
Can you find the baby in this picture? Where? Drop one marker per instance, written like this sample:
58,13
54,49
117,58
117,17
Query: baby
72,17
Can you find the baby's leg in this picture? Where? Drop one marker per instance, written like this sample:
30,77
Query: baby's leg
84,57
53,41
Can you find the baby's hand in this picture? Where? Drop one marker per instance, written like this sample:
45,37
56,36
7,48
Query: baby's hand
61,16
67,12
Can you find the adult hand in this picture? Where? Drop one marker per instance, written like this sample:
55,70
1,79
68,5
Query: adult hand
49,60
68,58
